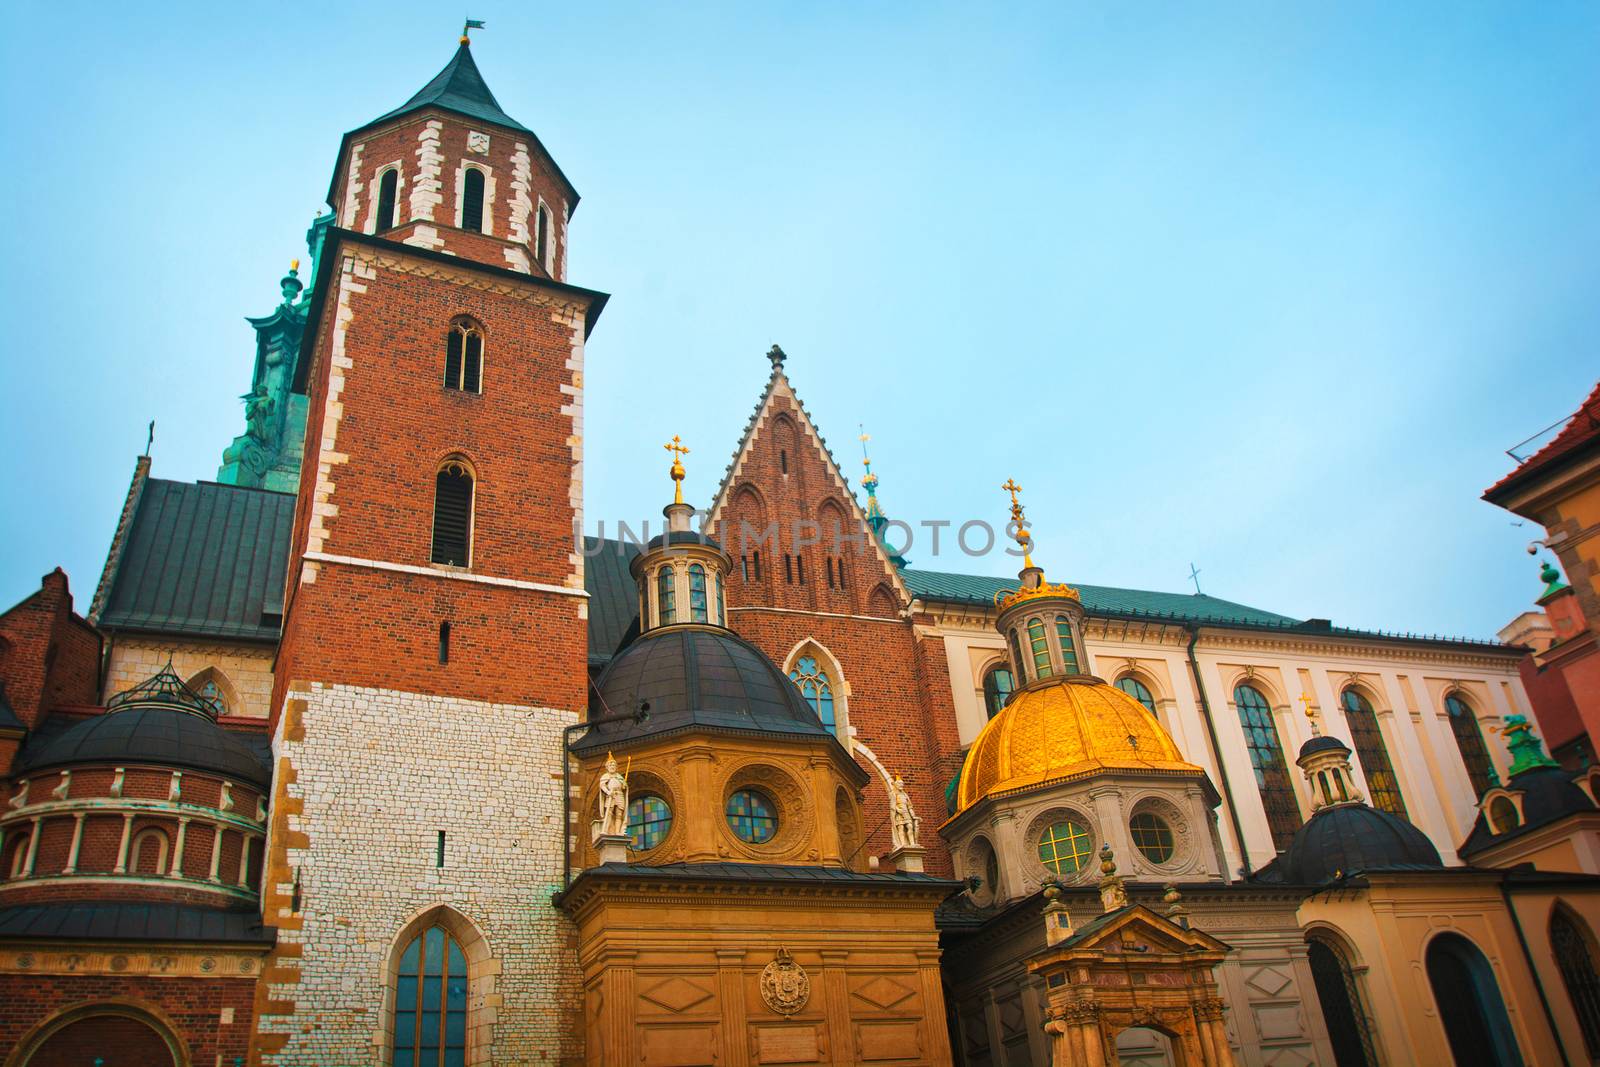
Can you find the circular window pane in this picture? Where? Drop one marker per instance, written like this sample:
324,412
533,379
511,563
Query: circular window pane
752,817
1151,836
649,819
1065,847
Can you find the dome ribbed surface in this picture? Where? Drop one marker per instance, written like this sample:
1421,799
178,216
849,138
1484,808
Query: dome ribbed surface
1350,838
696,677
151,735
1062,730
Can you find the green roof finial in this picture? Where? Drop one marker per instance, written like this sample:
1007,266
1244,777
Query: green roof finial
876,519
1527,751
1551,579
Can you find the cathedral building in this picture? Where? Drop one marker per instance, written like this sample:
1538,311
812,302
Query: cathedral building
359,756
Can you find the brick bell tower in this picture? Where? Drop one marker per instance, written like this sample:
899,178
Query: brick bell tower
434,618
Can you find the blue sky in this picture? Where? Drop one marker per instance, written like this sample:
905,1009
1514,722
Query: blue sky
1265,287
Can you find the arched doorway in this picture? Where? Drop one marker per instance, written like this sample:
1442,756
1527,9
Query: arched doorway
112,1035
1570,942
1470,1006
1348,1030
1140,1046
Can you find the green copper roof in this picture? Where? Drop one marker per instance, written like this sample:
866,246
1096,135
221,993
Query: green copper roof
1097,599
459,87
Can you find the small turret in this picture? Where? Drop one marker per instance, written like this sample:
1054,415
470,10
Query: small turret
681,573
1042,622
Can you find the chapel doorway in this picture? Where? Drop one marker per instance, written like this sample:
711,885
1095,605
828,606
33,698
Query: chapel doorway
1140,1046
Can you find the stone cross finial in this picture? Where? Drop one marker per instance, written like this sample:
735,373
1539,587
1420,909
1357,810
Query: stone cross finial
777,356
677,472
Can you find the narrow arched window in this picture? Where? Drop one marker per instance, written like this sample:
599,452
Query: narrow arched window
1039,648
997,686
1016,654
463,357
1069,650
1348,1029
1469,739
697,594
1138,691
430,1002
1382,785
1266,757
452,515
1576,962
541,237
1470,1005
666,597
472,200
815,687
388,187
717,606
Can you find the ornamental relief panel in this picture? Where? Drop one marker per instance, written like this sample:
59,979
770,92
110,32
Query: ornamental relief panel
795,837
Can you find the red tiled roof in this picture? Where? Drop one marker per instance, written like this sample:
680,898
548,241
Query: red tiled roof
1582,428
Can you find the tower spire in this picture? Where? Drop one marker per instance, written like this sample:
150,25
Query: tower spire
876,519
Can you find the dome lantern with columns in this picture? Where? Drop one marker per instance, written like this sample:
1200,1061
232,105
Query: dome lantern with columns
681,573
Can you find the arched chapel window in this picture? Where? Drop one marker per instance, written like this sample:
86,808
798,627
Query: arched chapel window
716,600
666,597
463,357
1382,785
472,200
815,687
1069,651
997,686
430,1003
1266,757
697,593
1040,650
452,514
1469,739
1348,1030
1470,1005
1016,654
213,695
1138,691
1575,959
387,190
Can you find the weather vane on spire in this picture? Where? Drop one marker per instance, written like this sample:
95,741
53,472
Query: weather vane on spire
472,24
677,472
869,481
1019,524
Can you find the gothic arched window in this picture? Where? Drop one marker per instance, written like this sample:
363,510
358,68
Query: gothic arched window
1382,785
452,514
1138,691
463,357
815,688
697,593
388,187
997,686
430,1002
472,200
666,597
1266,757
1469,739
1576,962
214,696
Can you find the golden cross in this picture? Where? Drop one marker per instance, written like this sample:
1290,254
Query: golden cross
678,451
1311,715
1013,488
1024,539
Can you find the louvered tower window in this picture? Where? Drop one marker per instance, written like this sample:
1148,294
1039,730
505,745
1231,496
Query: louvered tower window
1382,784
1469,739
387,186
472,200
452,515
463,357
1266,757
541,237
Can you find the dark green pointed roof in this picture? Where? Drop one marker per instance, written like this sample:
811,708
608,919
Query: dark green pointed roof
459,87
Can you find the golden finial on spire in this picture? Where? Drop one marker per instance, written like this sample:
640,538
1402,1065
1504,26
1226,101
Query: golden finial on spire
294,265
677,472
1311,713
1024,539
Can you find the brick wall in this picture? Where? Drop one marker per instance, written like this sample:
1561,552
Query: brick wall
48,655
196,1009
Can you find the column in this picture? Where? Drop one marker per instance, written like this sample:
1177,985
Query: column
216,852
33,847
730,998
616,1020
935,1034
122,849
836,1005
176,870
77,843
244,859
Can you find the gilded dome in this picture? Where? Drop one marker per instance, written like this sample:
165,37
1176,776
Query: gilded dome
1054,732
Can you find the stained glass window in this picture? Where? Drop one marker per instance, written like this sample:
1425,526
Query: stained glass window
716,601
1151,836
815,687
1016,656
649,819
666,597
213,696
430,1018
1069,651
1266,757
1382,784
697,593
997,686
1065,847
1138,691
1469,739
1040,650
752,816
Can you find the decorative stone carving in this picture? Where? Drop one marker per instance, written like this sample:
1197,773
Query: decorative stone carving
613,800
905,825
20,797
785,986
477,142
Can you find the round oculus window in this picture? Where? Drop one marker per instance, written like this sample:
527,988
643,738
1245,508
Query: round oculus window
1065,847
649,820
1151,836
752,816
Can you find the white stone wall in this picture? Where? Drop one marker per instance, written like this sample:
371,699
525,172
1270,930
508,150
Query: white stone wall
380,773
243,672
